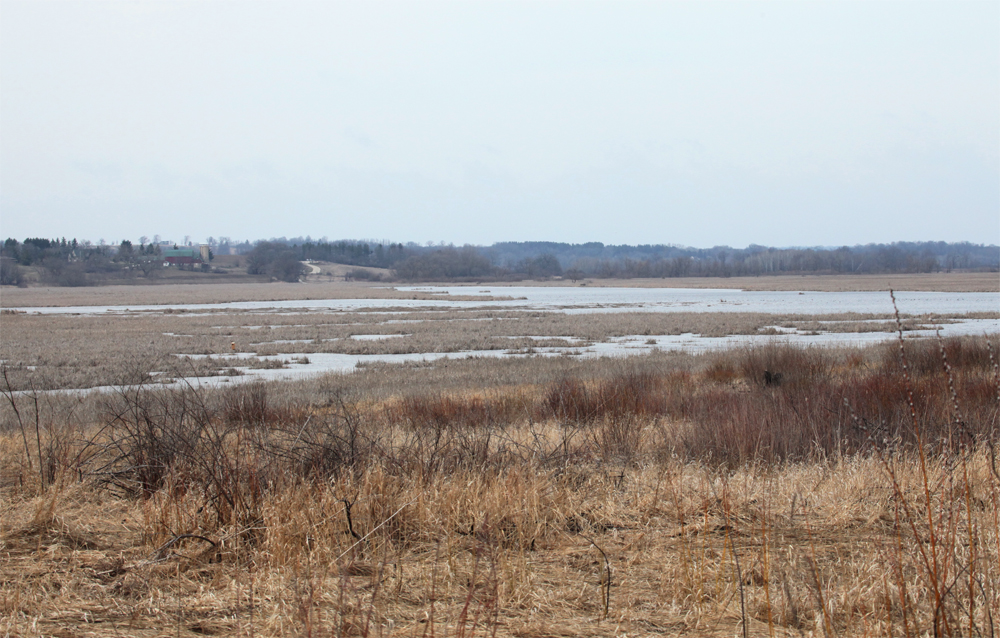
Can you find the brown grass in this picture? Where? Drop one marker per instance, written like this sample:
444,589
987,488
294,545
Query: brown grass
677,495
188,293
81,351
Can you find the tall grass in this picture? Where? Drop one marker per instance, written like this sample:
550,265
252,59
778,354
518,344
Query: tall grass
855,495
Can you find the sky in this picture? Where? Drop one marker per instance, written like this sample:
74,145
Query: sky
671,122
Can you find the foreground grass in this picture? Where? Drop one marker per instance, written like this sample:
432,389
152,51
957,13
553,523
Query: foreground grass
703,496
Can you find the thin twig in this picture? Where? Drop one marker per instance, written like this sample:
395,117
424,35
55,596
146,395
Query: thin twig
607,578
402,507
158,554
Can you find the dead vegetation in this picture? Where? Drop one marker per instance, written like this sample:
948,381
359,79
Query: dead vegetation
766,491
58,351
192,293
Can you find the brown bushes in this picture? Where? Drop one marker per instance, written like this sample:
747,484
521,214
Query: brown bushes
718,408
623,395
775,364
825,404
247,403
813,411
924,356
437,412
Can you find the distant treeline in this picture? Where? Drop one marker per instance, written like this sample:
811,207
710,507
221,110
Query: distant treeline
371,254
282,259
600,260
521,260
355,253
71,263
576,261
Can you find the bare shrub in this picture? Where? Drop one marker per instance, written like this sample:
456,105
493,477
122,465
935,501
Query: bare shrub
569,400
924,356
147,432
625,394
434,412
942,440
774,364
10,273
342,441
618,438
246,403
46,427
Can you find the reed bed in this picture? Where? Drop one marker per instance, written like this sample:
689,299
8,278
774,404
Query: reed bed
48,352
763,491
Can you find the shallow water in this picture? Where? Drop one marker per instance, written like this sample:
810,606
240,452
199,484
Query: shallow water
586,300
320,363
324,362
583,300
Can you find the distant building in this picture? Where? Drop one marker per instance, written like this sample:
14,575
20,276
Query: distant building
177,256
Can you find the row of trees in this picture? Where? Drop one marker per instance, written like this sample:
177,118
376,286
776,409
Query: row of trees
355,253
577,261
599,260
281,258
513,260
284,262
73,263
467,263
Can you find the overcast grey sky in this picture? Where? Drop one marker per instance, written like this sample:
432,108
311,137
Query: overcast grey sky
695,123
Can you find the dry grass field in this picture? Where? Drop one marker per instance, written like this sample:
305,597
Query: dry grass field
771,491
138,295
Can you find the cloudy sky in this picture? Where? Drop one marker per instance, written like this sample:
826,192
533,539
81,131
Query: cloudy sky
694,123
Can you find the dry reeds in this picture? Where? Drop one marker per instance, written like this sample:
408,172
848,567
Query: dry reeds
686,495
